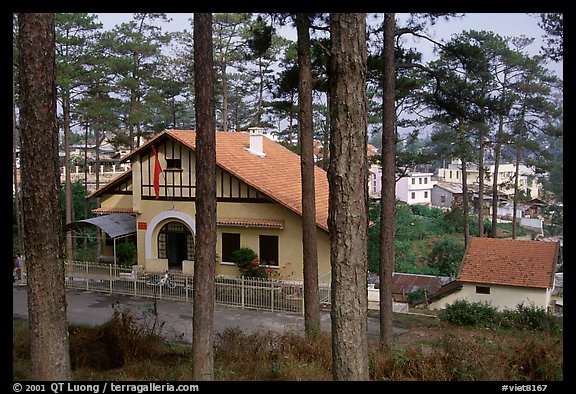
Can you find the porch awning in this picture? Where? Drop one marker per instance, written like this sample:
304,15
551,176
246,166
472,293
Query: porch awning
115,225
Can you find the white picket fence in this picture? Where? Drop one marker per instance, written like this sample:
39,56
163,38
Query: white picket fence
254,293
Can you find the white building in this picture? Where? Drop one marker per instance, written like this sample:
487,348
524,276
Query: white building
375,181
415,188
527,182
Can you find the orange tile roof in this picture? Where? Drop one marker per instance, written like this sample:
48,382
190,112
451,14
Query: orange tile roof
510,262
277,175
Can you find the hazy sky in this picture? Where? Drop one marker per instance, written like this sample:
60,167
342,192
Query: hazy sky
504,24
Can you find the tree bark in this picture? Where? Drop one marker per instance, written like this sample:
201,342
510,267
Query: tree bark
495,194
348,196
204,264
16,176
68,180
482,129
388,195
465,200
49,346
309,236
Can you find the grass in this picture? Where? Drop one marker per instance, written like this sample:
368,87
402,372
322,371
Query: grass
431,350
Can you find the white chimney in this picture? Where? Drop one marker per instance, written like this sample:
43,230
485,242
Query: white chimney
256,141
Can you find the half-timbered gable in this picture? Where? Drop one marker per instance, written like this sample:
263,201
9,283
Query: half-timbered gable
177,180
178,177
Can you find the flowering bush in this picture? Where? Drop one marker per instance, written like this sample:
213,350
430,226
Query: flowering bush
250,266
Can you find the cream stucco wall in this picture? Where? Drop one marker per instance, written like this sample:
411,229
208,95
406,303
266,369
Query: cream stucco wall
154,214
122,201
502,297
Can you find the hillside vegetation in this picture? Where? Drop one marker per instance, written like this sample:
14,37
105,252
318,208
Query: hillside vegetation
427,240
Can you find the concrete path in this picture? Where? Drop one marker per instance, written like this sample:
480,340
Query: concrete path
93,308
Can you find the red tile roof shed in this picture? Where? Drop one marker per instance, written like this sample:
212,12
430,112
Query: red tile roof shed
510,262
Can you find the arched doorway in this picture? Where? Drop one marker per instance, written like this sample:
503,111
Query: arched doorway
175,243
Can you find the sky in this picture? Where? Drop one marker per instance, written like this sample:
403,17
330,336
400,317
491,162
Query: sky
504,24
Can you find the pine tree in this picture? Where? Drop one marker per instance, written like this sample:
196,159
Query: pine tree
49,347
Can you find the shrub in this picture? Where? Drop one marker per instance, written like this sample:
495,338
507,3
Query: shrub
465,313
125,254
249,265
528,318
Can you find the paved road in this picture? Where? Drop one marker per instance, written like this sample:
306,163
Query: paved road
96,308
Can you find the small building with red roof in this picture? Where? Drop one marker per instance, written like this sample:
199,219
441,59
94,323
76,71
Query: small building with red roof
506,273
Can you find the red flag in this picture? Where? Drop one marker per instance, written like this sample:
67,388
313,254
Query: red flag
157,171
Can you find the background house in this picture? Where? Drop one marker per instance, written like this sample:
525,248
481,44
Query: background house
505,273
375,181
445,195
415,188
527,182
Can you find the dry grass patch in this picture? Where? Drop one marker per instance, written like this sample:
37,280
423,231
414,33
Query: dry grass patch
268,355
126,349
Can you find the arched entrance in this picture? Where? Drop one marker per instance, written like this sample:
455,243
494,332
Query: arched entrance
154,226
175,243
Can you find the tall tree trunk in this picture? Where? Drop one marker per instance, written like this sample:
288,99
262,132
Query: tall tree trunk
519,141
17,178
224,97
86,170
97,154
388,195
49,347
515,200
348,197
465,207
204,264
465,202
260,93
131,136
482,133
326,137
497,157
309,236
68,181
